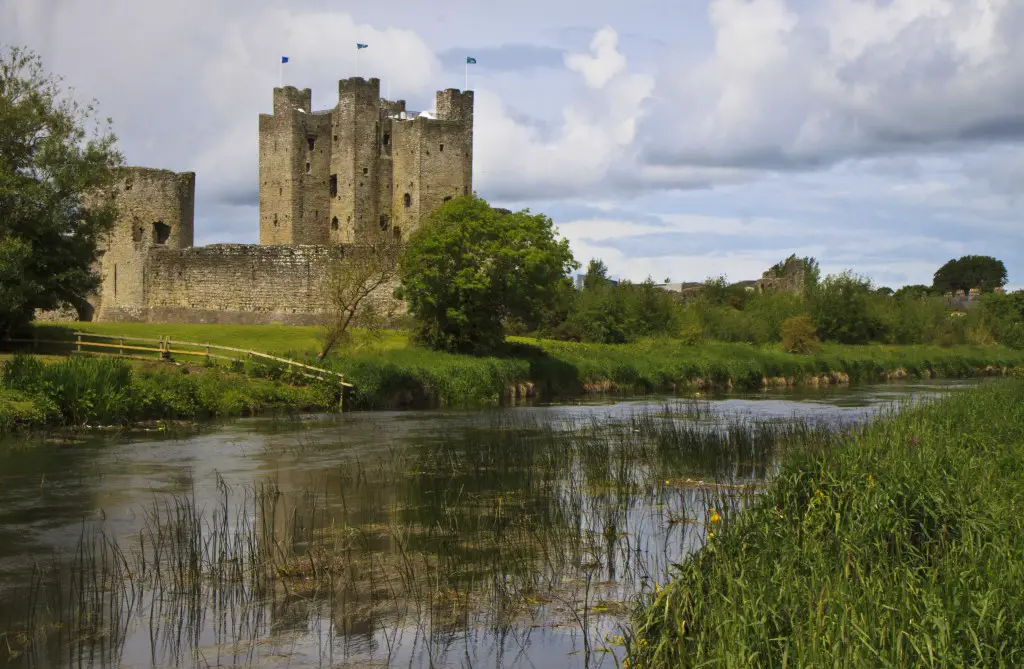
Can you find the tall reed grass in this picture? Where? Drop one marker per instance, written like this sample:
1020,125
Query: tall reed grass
900,545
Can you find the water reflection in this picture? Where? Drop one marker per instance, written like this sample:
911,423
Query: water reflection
504,537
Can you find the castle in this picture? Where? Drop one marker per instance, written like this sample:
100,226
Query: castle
329,182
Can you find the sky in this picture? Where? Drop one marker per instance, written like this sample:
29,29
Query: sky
673,139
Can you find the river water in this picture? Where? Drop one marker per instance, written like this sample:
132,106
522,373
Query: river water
517,536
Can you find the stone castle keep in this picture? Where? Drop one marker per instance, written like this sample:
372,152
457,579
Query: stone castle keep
329,182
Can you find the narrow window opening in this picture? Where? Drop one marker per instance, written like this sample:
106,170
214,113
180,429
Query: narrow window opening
335,138
307,168
280,190
275,220
312,142
334,185
386,140
137,233
161,232
128,186
407,200
447,197
441,148
366,170
334,223
383,221
397,232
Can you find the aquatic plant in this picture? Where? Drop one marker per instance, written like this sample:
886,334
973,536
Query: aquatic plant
900,545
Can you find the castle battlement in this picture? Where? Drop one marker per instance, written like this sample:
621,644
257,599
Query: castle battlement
342,175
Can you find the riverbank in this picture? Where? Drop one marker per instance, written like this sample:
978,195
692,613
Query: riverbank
103,392
392,373
902,545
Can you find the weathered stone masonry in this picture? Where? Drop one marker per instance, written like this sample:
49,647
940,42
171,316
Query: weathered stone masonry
328,181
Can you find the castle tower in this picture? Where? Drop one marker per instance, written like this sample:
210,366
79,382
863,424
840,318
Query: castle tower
293,173
343,175
156,208
354,160
433,159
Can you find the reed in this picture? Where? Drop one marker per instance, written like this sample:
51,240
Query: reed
902,544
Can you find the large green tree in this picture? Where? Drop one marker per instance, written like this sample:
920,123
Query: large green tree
56,174
982,272
470,269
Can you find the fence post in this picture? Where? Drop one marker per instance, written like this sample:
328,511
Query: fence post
120,351
78,339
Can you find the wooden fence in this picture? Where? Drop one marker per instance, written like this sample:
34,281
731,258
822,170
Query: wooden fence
164,348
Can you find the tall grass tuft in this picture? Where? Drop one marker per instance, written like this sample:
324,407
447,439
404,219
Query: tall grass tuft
900,545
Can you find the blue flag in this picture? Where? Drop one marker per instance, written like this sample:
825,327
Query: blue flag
284,59
470,60
361,46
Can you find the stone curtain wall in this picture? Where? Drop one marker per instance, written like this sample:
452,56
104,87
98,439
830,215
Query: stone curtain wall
238,284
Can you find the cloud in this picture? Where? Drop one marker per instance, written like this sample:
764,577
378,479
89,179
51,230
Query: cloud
514,160
849,78
605,63
505,58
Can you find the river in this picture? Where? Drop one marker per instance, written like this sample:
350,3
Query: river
516,536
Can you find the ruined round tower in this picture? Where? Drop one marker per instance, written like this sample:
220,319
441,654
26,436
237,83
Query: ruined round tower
156,208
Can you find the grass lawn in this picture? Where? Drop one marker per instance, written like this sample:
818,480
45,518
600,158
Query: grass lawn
391,371
275,339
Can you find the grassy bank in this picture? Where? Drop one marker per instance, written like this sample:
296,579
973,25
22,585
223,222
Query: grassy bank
80,391
902,546
392,372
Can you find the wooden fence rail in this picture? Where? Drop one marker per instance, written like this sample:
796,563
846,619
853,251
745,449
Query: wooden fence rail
166,347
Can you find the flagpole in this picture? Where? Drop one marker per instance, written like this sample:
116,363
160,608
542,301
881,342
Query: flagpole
280,74
357,59
467,75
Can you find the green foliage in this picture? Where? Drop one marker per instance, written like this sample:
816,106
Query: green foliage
799,335
900,545
470,269
982,272
914,291
109,391
1003,316
616,313
48,170
840,307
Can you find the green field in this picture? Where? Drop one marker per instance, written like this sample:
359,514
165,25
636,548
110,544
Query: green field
902,545
393,372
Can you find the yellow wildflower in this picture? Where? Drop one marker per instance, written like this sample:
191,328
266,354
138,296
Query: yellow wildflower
715,517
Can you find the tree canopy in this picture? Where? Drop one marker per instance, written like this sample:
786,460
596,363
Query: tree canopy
982,272
53,176
470,269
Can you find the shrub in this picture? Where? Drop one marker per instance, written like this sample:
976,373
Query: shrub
799,335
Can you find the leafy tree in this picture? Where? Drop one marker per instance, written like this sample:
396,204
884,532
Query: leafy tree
352,290
840,307
597,274
55,179
982,272
799,335
916,291
469,269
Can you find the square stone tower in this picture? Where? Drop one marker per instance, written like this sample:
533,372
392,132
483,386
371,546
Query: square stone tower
341,175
